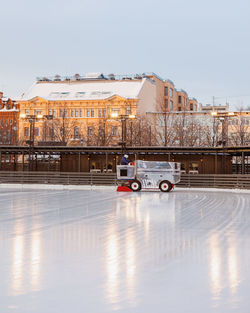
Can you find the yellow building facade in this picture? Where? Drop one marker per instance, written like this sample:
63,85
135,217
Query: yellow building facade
83,112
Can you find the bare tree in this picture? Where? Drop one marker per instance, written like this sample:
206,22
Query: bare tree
239,131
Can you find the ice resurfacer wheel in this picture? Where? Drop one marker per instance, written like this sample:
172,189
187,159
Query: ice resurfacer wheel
135,185
165,186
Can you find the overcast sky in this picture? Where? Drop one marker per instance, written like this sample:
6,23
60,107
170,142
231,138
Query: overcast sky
203,46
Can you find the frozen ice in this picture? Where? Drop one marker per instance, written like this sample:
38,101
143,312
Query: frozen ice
98,251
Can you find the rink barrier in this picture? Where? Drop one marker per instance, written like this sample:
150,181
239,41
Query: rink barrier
215,181
57,178
76,178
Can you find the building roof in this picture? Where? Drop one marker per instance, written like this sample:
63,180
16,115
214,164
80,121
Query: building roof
85,90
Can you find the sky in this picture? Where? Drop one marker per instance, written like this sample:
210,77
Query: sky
203,46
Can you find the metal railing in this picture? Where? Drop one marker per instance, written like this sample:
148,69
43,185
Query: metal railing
215,181
75,178
56,178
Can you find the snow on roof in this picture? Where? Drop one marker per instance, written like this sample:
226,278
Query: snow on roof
84,90
4,109
94,75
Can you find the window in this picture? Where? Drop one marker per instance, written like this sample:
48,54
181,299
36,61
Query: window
36,131
179,108
191,106
128,110
166,91
171,105
116,110
61,113
54,113
179,99
114,131
92,113
90,131
72,113
80,112
26,131
183,100
38,112
77,113
50,112
76,132
166,103
10,121
51,132
6,122
1,123
88,112
171,92
104,112
27,112
99,112
65,113
101,131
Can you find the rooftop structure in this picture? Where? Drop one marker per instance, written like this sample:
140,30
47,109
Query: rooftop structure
211,107
84,90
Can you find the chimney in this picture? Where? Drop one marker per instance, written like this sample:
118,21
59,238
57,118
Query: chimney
1,94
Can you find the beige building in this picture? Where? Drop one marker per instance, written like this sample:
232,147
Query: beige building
170,99
84,110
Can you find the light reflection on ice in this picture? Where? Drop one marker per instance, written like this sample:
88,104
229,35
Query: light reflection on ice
233,266
17,266
215,266
112,266
35,261
130,266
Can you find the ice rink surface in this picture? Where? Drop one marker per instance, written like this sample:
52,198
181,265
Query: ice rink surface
97,251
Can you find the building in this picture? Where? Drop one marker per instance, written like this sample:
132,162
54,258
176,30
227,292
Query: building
84,110
170,99
216,108
9,121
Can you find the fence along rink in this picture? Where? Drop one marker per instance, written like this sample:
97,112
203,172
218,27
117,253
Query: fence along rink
66,178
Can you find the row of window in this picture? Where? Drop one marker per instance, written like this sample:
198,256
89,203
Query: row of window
6,122
179,108
171,104
79,112
166,89
239,122
90,131
182,100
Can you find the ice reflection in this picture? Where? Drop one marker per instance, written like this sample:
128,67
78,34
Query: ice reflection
17,266
232,261
35,261
130,266
112,267
215,265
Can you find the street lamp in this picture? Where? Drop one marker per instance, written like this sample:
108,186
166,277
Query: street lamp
32,118
123,118
223,118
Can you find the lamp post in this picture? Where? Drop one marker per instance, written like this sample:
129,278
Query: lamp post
123,118
32,118
222,117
